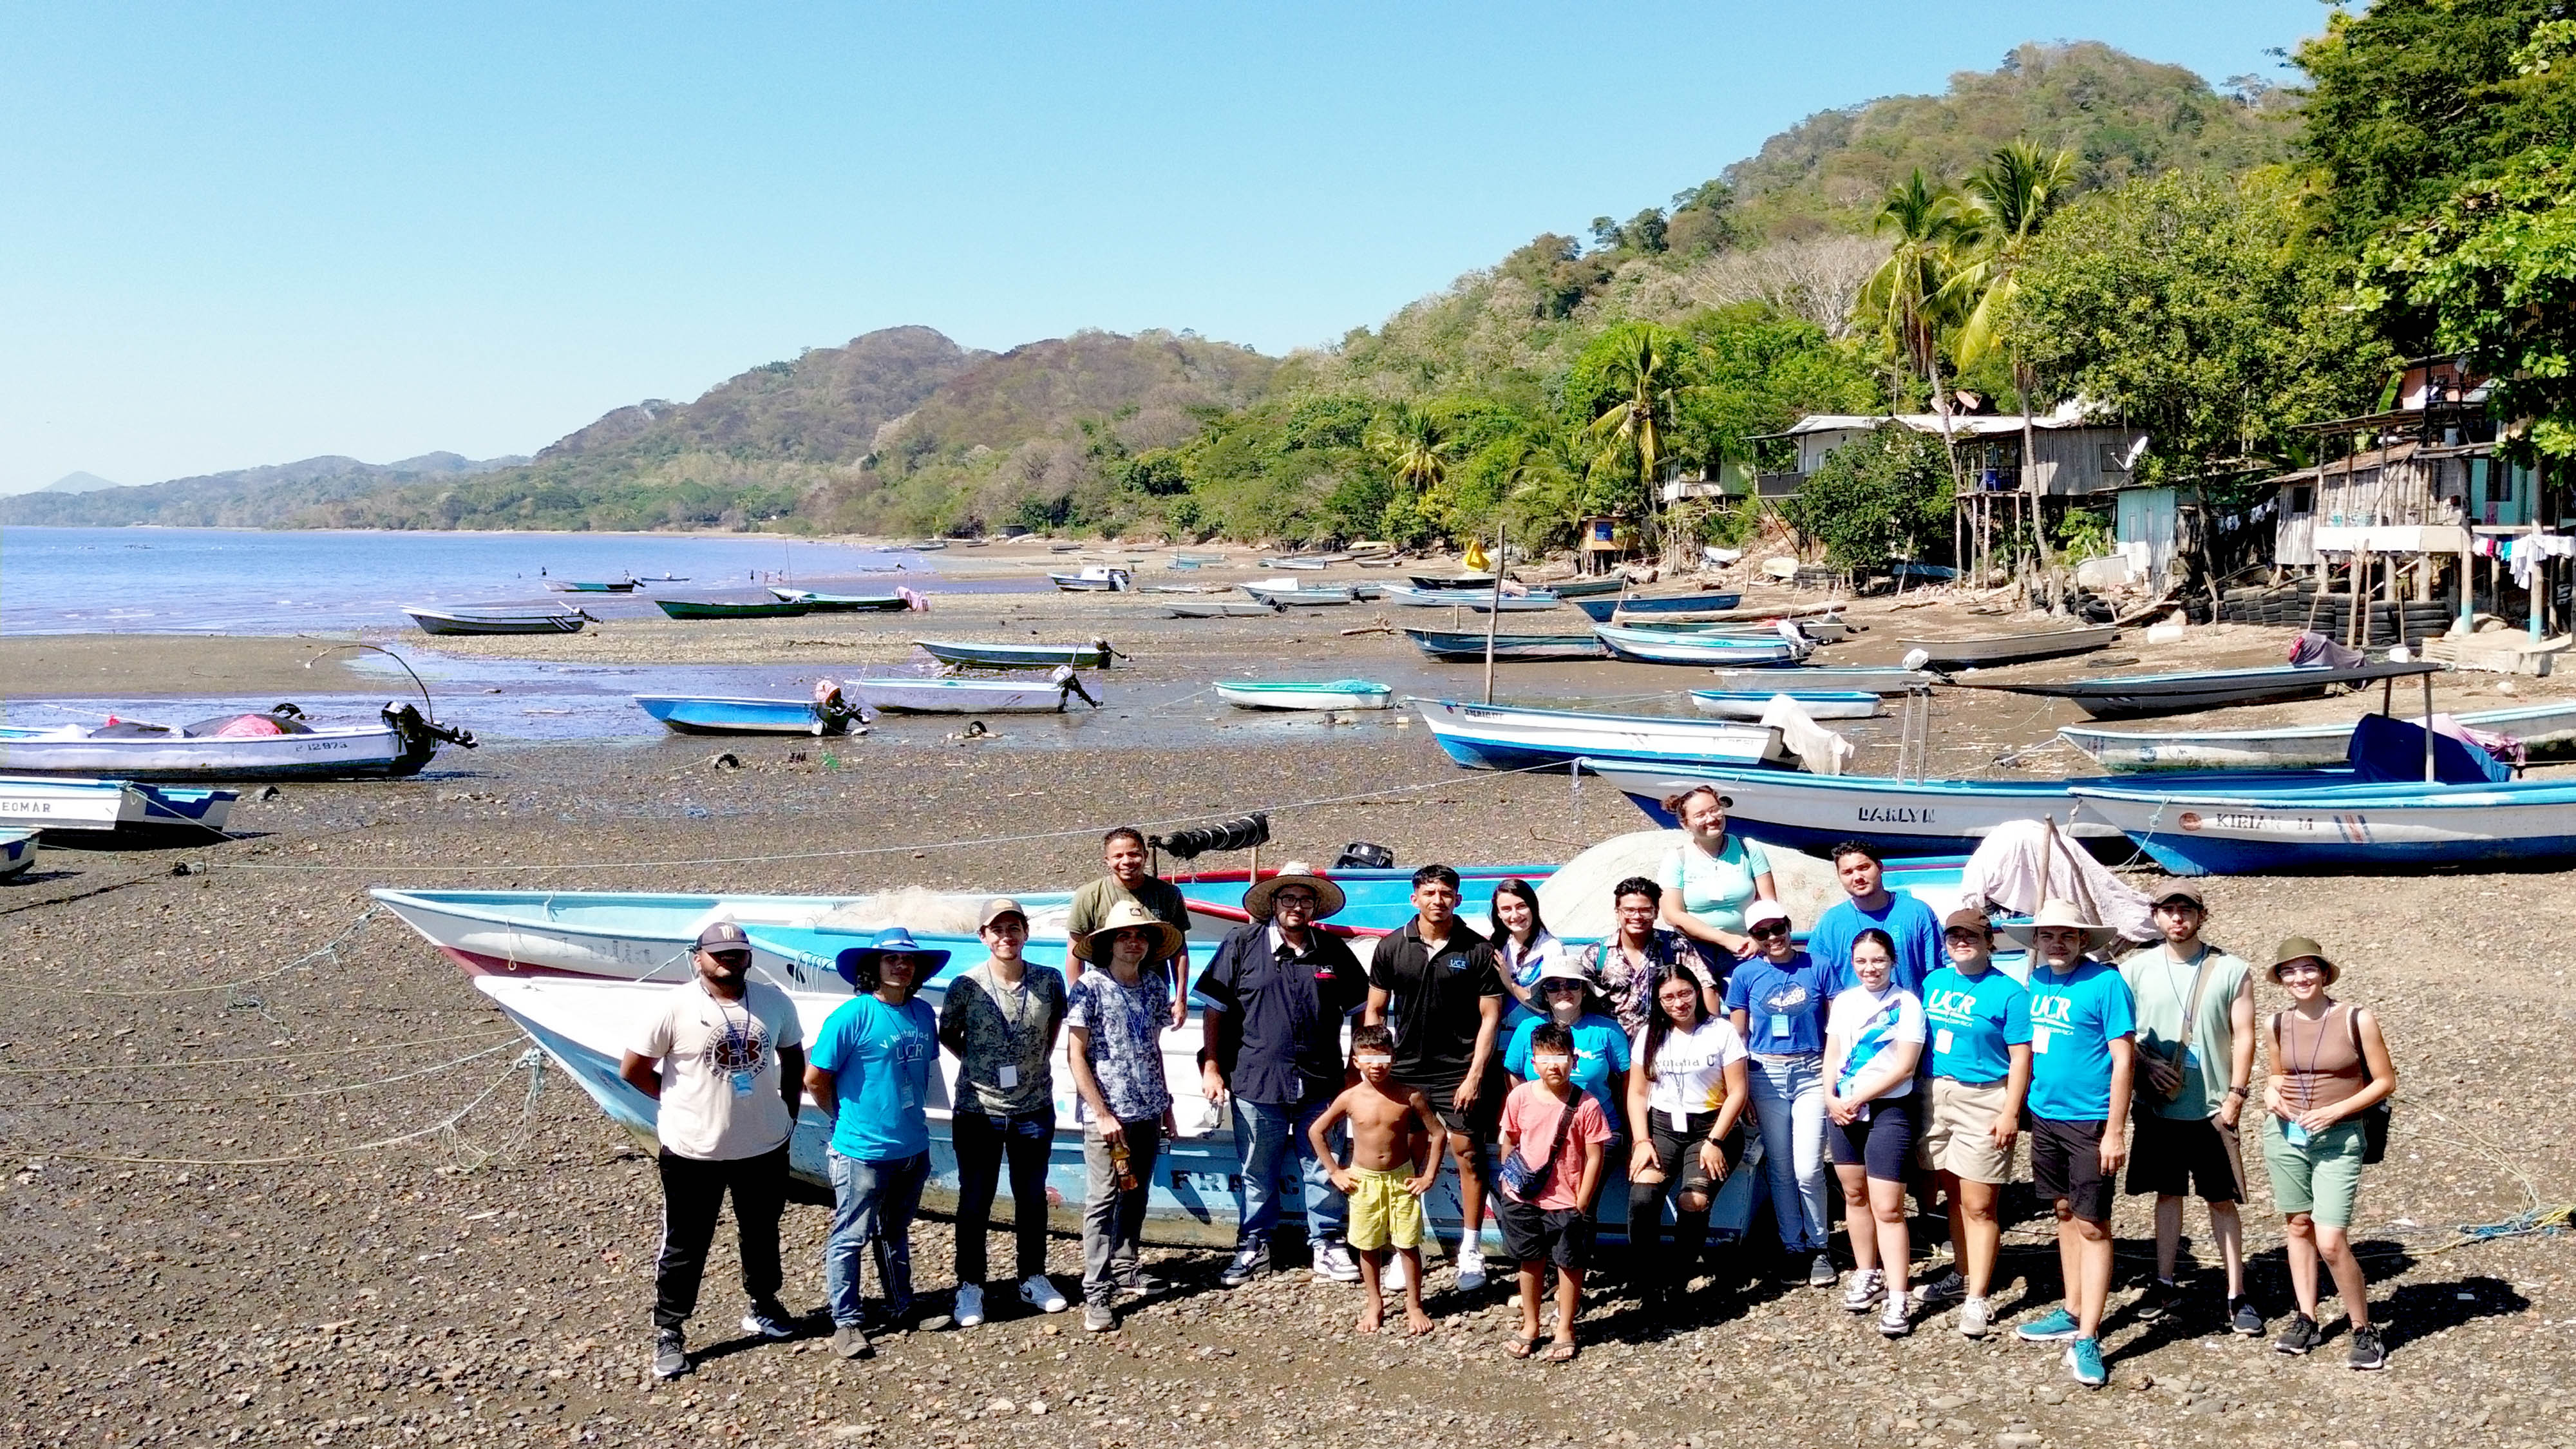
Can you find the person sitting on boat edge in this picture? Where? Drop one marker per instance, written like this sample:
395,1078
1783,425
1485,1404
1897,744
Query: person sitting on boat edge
1776,1000
870,1073
1523,947
1713,874
725,1058
1628,967
1122,850
1869,902
1115,1051
1277,990
1000,1020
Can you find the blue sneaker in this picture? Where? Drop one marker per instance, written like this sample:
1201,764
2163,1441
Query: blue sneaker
2084,1357
2057,1327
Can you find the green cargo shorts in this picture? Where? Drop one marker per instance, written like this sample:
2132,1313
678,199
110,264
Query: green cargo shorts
2322,1179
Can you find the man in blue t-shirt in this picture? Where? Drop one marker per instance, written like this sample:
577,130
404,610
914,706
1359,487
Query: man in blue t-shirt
870,1073
2082,1024
1907,921
1979,1020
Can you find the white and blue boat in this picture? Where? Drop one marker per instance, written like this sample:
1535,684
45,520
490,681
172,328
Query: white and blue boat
113,807
694,714
1509,737
1814,812
1887,679
2542,729
1305,694
1666,646
1818,703
1601,610
17,852
1525,601
275,744
1290,594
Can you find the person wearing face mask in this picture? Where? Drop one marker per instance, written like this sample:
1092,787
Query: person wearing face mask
2330,1066
1686,1101
1523,947
1873,1040
1641,953
1776,1001
1600,1049
1713,874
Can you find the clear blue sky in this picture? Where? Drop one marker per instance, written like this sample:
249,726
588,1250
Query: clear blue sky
241,234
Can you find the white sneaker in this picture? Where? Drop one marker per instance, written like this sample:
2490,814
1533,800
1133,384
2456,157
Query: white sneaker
1892,1322
1975,1317
1040,1294
970,1305
1391,1277
1333,1261
1860,1294
1471,1270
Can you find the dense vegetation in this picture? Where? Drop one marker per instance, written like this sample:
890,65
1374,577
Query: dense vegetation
266,497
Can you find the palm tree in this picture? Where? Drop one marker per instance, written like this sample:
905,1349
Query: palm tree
1645,378
1905,295
1413,445
2012,196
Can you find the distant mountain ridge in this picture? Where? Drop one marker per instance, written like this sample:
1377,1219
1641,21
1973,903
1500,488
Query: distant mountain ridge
261,497
76,483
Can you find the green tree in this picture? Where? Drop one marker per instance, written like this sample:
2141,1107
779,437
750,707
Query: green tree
1413,445
2011,197
1874,497
1905,296
1626,388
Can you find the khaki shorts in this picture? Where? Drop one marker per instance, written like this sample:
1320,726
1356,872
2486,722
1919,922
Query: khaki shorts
1384,1211
1956,1136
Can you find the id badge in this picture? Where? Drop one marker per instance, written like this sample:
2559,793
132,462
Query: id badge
1010,1076
1680,1120
744,1082
1941,1041
2039,1036
2190,1058
1780,1025
2295,1133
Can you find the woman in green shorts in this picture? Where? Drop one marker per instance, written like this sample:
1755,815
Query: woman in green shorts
2329,1065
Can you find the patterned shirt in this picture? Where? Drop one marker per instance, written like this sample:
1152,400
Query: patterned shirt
1003,1037
1124,1025
1629,983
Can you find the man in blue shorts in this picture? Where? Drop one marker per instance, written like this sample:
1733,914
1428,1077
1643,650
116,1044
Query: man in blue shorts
2081,1025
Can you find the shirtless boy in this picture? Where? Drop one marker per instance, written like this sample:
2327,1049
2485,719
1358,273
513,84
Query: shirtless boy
1392,1165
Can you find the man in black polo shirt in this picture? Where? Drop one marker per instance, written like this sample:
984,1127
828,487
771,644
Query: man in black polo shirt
1277,992
1436,984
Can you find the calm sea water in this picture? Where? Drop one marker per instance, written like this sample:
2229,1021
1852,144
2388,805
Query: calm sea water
163,580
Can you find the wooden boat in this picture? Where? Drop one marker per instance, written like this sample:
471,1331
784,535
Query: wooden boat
112,807
274,745
1197,560
17,852
1288,594
1819,704
1094,579
1508,648
1814,631
1482,600
1507,737
1660,646
843,603
1889,680
1603,609
1222,611
825,714
1305,694
967,696
497,621
1587,588
1813,812
2141,696
1306,562
2543,729
966,654
725,609
1988,650
593,586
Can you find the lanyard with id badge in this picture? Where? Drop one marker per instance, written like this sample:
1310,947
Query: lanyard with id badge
741,1045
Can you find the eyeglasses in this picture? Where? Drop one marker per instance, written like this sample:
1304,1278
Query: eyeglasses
1563,988
1293,898
1767,928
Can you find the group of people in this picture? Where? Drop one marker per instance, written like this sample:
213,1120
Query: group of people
1890,1047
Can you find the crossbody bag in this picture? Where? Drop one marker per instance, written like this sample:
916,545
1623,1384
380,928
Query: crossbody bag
2190,1029
1516,1174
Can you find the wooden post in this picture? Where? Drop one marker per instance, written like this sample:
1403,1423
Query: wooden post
1495,615
2428,727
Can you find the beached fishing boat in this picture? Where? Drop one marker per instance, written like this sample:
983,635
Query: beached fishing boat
1289,594
593,586
2142,696
2543,729
1819,704
1451,581
843,603
824,714
1887,680
1812,812
905,695
731,609
1988,650
1464,647
1664,646
967,654
1480,599
17,852
1602,609
497,620
109,807
1586,588
1222,611
1305,694
1094,579
1507,737
276,744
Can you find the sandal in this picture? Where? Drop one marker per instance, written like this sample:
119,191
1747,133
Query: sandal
1560,1350
1521,1347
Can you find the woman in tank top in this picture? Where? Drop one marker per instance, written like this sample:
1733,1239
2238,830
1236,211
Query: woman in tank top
2329,1065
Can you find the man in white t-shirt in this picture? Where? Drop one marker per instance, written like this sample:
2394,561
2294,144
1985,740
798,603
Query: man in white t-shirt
725,1058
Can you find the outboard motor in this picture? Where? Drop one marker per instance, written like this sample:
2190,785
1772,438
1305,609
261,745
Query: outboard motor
1364,855
421,737
832,713
1242,833
1066,681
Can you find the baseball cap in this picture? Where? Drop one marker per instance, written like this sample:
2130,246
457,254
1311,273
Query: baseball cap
2180,890
1967,918
1764,910
998,907
723,936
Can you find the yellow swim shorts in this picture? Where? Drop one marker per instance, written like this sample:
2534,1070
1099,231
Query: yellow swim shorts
1384,1211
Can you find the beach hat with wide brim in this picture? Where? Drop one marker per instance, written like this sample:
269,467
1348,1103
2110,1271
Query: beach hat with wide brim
1128,915
1329,898
2024,935
851,963
2297,948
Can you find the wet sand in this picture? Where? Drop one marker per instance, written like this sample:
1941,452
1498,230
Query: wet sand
156,665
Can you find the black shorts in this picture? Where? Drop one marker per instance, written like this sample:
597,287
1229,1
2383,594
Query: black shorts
2066,1162
1533,1234
2178,1156
1482,1119
1883,1145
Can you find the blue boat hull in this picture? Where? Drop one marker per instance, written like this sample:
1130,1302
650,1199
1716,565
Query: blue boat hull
1601,610
719,716
2220,830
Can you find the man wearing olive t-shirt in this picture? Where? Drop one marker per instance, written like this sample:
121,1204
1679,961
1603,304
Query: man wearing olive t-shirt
1435,982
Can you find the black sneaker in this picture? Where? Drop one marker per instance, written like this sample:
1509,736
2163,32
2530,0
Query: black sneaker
1249,1260
2162,1297
770,1320
2300,1337
2244,1318
2367,1351
1140,1283
670,1355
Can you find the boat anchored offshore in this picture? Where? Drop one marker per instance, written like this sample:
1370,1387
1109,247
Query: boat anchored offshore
273,744
1305,694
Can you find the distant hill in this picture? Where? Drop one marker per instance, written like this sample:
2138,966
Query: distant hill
263,497
76,483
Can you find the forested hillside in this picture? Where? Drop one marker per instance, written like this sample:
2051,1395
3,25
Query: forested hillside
265,497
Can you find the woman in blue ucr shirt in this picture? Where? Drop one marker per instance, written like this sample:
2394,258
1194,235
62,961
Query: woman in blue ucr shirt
1776,999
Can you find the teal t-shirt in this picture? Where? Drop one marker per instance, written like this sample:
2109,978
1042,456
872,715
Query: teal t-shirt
1716,888
880,1058
1975,1023
1600,1048
2073,1020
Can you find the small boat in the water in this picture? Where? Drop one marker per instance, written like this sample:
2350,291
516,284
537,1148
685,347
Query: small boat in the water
463,620
732,609
1095,579
593,586
1989,650
1508,737
1603,609
272,744
1222,611
17,852
2542,730
1289,594
1305,694
843,603
1877,680
1465,647
113,807
2142,696
1819,704
1665,646
963,654
967,696
1527,601
827,712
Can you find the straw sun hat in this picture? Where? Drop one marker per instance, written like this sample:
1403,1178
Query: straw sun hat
1127,915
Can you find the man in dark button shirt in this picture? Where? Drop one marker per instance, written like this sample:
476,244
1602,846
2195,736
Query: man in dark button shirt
1436,984
1277,991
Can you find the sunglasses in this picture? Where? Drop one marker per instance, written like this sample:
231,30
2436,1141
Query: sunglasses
1563,988
1767,928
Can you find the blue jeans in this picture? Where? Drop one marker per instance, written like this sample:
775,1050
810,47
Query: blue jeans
1265,1138
872,1208
1789,1101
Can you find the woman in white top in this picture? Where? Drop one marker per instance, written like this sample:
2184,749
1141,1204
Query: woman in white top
1710,878
1686,1099
1523,948
1873,1038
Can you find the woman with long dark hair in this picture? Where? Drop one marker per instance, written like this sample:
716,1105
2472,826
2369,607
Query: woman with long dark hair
1687,1091
1523,947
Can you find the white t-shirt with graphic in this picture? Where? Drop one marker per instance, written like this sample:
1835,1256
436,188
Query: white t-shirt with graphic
1868,1022
1690,1070
720,1094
